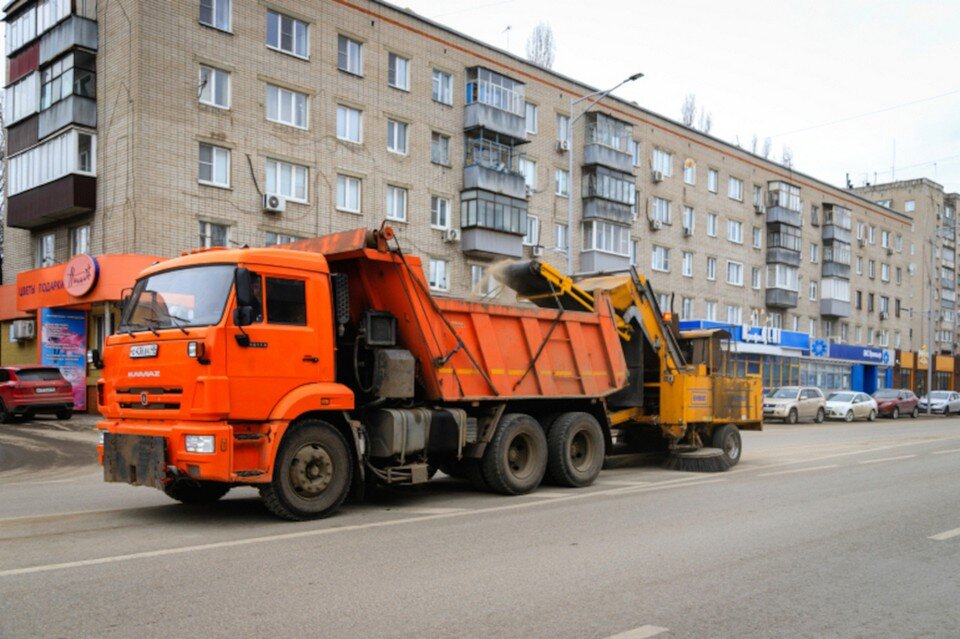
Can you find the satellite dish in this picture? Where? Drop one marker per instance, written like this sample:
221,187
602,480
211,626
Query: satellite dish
689,163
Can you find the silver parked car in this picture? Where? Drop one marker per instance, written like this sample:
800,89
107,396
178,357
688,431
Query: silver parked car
851,405
793,403
944,402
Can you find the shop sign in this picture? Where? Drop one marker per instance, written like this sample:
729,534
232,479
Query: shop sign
63,343
878,356
80,275
760,334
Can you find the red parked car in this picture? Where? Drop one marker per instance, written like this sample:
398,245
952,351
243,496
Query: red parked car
894,402
28,390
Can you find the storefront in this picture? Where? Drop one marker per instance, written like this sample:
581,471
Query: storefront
869,368
53,315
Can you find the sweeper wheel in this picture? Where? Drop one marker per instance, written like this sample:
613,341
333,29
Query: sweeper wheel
702,460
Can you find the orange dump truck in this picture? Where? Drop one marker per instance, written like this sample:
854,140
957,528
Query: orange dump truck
312,370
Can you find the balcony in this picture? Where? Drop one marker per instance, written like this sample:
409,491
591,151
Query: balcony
780,255
483,242
606,142
834,308
836,233
492,225
781,298
835,269
948,283
23,135
777,213
495,103
598,208
595,153
493,167
52,202
598,261
71,110
72,32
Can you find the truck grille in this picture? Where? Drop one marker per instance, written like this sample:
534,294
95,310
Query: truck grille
138,392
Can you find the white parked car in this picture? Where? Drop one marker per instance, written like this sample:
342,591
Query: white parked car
851,405
944,402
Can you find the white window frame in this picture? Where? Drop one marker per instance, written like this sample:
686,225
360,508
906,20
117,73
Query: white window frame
349,189
756,279
884,272
662,210
532,236
46,250
812,290
345,117
438,276
663,161
275,96
562,183
531,114
398,71
561,237
605,237
735,189
442,87
710,311
51,160
439,212
528,168
690,173
278,238
209,86
398,136
814,252
214,5
757,237
295,39
689,219
737,267
660,258
206,234
711,269
345,46
563,127
80,240
686,268
440,141
734,314
218,155
735,231
712,222
397,199
713,180
686,308
277,167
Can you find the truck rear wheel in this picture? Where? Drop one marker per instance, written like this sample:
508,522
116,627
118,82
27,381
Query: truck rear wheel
312,473
575,450
188,491
516,459
727,439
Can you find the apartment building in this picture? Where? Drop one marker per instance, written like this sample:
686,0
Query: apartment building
149,127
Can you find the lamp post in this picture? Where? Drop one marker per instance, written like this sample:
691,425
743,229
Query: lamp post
573,120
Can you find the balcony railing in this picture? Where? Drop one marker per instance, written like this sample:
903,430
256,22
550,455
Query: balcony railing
496,96
492,155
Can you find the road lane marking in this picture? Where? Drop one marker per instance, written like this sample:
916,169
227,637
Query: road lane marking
797,470
75,513
946,452
885,459
643,632
165,552
946,535
416,510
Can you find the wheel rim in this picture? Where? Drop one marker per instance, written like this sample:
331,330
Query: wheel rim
849,416
731,447
581,450
311,470
520,456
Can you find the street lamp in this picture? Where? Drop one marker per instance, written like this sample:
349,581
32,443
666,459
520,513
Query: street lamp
573,120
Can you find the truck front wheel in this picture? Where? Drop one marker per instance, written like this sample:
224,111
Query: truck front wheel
575,450
727,439
312,473
516,459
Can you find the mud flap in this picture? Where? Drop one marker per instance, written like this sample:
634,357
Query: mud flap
135,459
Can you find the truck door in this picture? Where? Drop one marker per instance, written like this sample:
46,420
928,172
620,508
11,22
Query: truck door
283,343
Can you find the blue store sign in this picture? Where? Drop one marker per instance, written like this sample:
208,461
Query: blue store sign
862,354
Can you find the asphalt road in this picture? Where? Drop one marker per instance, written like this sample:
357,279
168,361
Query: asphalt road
833,530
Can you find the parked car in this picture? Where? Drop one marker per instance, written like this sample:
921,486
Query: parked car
943,402
894,402
793,403
28,390
851,405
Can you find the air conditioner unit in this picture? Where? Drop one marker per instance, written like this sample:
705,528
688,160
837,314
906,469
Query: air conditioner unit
656,225
657,176
884,315
527,190
912,269
451,235
24,329
889,250
274,203
862,241
759,209
537,251
563,146
687,231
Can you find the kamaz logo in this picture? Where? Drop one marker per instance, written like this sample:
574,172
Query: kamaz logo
143,374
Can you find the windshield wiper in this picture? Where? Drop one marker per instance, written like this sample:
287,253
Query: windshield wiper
176,320
151,326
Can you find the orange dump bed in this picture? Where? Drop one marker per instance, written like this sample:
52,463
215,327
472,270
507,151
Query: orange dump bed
476,351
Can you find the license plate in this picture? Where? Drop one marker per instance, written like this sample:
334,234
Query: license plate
143,350
46,390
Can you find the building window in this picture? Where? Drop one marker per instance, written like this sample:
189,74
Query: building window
872,234
814,253
686,308
532,113
899,275
286,106
711,268
710,311
909,206
560,237
813,290
757,237
529,169
601,182
439,212
398,72
214,87
713,180
442,87
871,269
660,259
73,74
687,264
349,124
858,301
349,190
735,231
276,239
440,148
396,203
634,148
859,265
349,55
663,162
532,236
212,234
634,252
735,189
662,210
884,272
734,273
689,220
690,172
287,180
215,13
563,128
605,237
21,99
80,240
782,276
397,137
498,91
885,239
214,165
734,315
71,152
46,250
712,224
755,278
758,197
481,283
482,209
287,34
785,195
562,183
439,276
21,30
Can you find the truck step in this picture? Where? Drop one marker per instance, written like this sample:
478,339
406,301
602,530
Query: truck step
249,436
248,473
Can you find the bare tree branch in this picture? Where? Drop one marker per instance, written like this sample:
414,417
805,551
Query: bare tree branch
688,110
542,46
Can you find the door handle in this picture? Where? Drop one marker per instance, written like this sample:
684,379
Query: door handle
311,359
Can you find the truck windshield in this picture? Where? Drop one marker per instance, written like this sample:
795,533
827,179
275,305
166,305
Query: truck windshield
184,297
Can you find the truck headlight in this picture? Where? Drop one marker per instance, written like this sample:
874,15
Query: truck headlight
200,443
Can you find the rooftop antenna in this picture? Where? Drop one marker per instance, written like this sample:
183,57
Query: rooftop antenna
507,31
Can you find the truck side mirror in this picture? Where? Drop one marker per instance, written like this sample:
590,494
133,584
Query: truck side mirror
243,313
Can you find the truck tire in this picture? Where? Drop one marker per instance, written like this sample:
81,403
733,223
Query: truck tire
516,459
575,450
727,438
312,473
188,491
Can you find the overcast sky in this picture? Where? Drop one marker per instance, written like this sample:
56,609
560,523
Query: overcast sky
883,72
